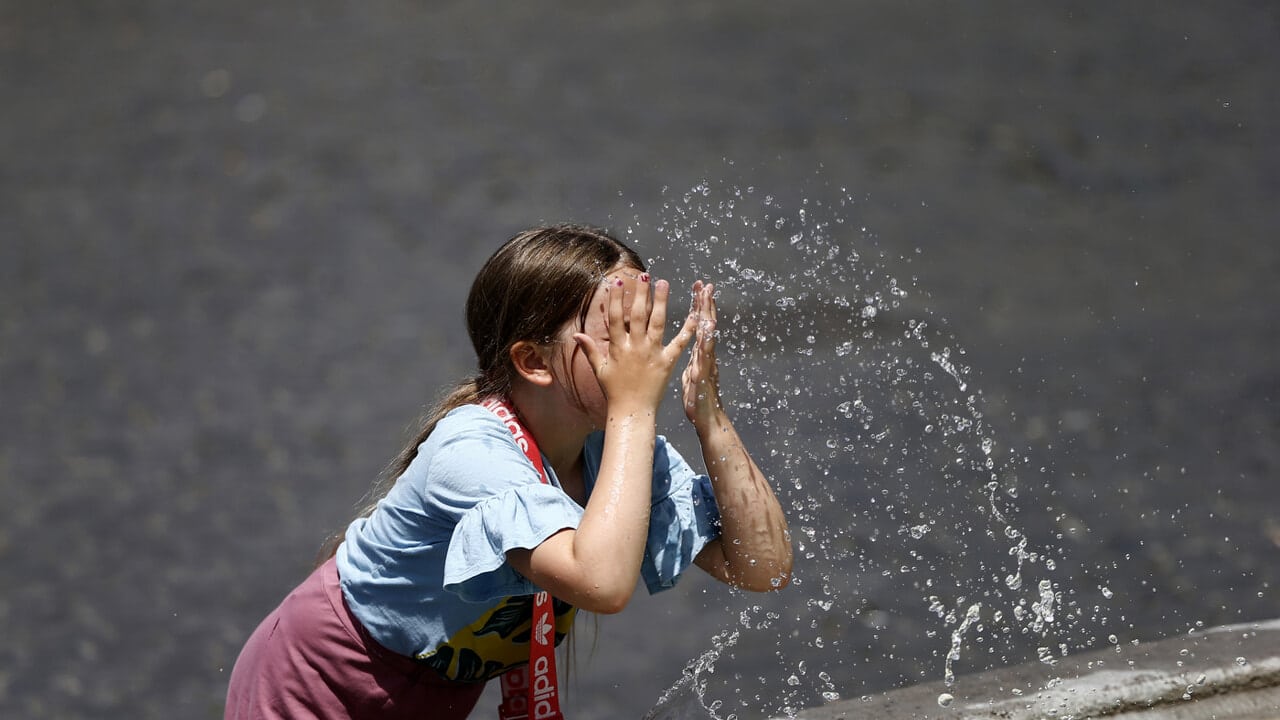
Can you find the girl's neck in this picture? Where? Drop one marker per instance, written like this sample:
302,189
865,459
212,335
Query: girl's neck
557,427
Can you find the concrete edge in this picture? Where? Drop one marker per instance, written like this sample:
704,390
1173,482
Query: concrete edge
1146,679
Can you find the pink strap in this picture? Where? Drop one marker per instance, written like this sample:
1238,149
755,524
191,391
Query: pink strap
539,697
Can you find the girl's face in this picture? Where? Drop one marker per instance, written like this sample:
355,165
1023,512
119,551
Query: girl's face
577,377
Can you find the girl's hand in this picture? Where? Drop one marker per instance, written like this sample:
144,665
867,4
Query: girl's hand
634,366
701,379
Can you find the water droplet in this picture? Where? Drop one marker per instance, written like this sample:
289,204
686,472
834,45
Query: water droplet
945,700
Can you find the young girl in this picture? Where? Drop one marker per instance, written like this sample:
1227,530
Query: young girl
543,473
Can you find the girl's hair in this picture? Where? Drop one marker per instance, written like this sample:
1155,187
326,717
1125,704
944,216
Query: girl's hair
535,284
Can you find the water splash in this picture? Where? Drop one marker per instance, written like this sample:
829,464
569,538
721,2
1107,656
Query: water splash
861,405
687,698
971,616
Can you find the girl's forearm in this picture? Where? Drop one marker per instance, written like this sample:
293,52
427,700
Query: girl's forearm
609,543
755,541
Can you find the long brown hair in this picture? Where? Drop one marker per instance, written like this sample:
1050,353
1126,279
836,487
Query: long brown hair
529,289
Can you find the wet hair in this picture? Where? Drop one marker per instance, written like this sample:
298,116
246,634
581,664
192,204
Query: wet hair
528,290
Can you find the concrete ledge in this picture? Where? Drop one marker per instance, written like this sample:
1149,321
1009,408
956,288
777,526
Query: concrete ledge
1224,672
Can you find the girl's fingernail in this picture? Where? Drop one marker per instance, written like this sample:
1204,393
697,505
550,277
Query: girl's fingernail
644,277
618,282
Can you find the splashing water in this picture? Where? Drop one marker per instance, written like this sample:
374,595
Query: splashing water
899,494
971,616
687,698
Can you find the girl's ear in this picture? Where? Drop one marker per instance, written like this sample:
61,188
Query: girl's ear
531,363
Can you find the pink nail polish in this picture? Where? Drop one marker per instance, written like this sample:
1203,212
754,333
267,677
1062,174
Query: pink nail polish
644,277
618,282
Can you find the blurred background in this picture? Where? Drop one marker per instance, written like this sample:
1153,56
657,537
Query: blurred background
235,239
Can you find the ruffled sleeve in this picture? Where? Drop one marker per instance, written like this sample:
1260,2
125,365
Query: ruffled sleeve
683,518
476,567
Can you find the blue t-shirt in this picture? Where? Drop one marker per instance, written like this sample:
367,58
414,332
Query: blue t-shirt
426,572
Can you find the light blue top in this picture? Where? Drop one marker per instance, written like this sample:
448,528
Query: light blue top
426,572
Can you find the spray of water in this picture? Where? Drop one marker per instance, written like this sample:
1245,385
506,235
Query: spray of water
688,697
900,496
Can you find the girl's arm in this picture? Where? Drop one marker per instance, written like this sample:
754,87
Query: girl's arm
597,566
753,551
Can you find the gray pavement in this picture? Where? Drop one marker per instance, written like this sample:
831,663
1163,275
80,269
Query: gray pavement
235,238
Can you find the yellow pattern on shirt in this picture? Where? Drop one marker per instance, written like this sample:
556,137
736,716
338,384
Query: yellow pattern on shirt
494,643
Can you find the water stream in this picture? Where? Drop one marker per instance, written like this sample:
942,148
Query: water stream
914,560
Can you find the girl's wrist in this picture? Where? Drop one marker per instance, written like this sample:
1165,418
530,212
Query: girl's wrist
628,413
706,408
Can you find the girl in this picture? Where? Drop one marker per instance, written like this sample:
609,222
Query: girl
537,488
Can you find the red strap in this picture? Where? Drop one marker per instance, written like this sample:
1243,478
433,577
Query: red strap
522,697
